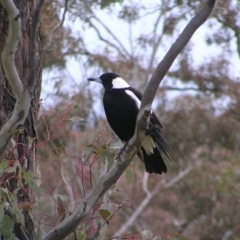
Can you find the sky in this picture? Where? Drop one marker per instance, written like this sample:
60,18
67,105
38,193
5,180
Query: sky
74,70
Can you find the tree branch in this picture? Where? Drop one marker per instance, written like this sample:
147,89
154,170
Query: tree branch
111,34
131,148
58,26
111,177
105,39
156,43
173,52
148,198
139,209
170,88
100,226
22,95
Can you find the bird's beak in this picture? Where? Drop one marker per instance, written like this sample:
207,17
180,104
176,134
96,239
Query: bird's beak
97,79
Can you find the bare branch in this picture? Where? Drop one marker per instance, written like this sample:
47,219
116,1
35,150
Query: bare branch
156,43
100,226
139,209
149,196
170,88
173,52
232,24
131,148
104,39
22,95
111,34
58,26
121,49
125,157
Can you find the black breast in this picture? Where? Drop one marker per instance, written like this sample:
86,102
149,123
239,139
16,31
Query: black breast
121,112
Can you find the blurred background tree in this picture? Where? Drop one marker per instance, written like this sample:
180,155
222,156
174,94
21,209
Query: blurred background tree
198,105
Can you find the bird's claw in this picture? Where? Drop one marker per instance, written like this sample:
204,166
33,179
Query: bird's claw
150,130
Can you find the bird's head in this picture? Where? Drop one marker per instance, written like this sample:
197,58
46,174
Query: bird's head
110,81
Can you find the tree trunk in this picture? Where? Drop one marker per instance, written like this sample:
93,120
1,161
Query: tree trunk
22,144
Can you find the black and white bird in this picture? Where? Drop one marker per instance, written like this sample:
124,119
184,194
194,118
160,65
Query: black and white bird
121,104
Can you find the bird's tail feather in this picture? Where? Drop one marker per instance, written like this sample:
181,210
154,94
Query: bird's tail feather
162,145
154,162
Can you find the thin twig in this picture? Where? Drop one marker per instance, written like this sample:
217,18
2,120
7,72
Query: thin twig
100,226
112,35
173,52
149,196
156,43
170,88
57,27
104,39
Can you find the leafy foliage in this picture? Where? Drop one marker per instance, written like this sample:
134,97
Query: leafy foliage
198,106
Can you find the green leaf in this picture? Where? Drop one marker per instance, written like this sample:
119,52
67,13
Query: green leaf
147,235
1,212
81,236
39,234
61,209
128,175
117,198
38,176
64,198
104,213
3,167
179,237
110,158
6,228
65,175
96,175
89,151
117,145
76,119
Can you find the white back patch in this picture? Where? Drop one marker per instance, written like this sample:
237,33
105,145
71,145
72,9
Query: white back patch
134,97
149,145
119,83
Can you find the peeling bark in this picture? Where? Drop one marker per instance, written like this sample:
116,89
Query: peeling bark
19,145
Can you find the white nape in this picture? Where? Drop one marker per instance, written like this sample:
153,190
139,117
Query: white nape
119,83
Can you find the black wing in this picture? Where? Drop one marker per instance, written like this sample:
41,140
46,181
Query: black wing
161,142
153,119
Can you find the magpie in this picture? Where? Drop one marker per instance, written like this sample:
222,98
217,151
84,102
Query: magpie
121,104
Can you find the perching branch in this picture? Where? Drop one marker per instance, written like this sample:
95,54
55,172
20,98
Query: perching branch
22,95
111,177
131,148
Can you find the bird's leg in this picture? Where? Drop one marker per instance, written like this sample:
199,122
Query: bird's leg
122,149
151,129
